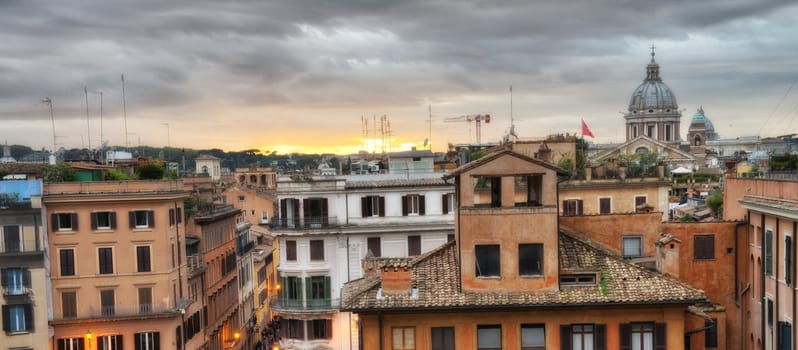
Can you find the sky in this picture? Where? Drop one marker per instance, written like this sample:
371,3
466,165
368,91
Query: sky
303,75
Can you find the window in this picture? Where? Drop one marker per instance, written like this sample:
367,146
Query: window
583,336
109,342
319,329
448,203
142,219
668,132
16,280
632,246
107,302
292,291
784,335
147,341
788,260
241,198
650,131
769,252
489,337
572,207
697,140
70,344
487,260
769,310
413,245
442,338
605,205
711,334
67,261
533,337
578,279
317,250
318,290
69,304
488,191
530,259
316,212
145,300
143,259
704,247
412,205
12,241
290,250
374,246
104,220
106,256
644,336
17,318
639,200
372,206
634,131
528,191
65,222
293,329
404,338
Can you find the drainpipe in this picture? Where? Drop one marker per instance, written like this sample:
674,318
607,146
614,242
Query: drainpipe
379,317
792,262
739,293
776,275
762,301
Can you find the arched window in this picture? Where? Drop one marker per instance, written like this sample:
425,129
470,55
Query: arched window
641,150
253,179
204,169
697,140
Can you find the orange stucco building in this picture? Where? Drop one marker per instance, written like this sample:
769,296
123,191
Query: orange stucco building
512,279
118,276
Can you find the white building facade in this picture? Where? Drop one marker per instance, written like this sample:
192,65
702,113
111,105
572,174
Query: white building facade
324,228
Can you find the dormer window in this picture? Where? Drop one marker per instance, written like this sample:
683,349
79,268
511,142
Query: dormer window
578,279
528,190
487,191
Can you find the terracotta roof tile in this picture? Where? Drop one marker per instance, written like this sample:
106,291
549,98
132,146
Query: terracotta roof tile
397,183
436,275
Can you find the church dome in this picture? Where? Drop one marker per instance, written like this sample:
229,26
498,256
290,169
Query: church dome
653,95
699,118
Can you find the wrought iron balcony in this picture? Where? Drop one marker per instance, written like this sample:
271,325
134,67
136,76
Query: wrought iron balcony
307,306
305,223
16,291
194,265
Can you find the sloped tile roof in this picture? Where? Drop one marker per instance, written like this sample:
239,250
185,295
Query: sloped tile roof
436,275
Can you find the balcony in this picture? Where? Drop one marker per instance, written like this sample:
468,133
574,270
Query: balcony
23,247
304,306
11,291
243,249
194,265
306,223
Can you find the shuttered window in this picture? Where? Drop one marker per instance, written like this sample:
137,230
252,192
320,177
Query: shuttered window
413,245
442,338
317,250
106,260
67,262
374,246
605,206
290,250
704,247
69,304
143,259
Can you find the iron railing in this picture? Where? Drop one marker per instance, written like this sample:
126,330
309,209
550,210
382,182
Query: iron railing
300,305
21,246
314,222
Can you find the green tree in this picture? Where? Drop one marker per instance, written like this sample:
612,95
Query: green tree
151,172
60,172
715,203
115,175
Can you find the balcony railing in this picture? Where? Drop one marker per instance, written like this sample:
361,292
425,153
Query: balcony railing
16,291
194,264
317,222
121,310
300,305
21,247
245,248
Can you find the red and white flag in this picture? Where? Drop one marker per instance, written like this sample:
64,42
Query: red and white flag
585,130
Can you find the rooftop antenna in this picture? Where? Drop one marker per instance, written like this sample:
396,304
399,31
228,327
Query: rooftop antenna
101,115
124,110
88,124
429,138
48,101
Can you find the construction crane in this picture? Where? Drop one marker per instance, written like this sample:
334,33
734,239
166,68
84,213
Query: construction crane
478,118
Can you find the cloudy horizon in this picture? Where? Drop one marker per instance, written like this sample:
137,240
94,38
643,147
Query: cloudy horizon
301,75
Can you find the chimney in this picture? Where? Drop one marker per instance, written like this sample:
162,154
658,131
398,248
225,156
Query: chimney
668,255
396,279
544,153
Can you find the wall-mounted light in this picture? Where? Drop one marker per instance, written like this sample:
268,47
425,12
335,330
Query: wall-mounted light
236,335
88,335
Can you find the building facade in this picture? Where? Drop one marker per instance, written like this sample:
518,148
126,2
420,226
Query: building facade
24,266
118,277
326,226
514,280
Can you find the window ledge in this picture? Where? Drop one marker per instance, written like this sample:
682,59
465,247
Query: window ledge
532,276
12,333
490,277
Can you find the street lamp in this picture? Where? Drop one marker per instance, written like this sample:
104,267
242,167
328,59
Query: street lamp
88,339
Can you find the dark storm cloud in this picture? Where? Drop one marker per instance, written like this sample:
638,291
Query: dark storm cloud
191,56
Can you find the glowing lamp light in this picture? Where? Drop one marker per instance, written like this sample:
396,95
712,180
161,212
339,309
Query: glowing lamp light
275,347
236,335
88,335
